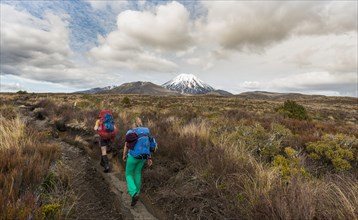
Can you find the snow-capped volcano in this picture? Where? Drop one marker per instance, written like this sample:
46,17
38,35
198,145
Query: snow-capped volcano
188,84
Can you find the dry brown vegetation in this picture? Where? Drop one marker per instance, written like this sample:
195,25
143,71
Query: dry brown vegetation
25,156
225,157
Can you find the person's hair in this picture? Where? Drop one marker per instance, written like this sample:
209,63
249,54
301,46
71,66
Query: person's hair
138,122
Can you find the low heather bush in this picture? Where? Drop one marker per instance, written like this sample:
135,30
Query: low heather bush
339,151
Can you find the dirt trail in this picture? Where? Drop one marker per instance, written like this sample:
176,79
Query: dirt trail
101,195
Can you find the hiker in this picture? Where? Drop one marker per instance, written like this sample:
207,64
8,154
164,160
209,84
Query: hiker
139,144
106,130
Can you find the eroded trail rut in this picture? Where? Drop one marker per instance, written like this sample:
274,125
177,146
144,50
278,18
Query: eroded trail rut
95,199
100,195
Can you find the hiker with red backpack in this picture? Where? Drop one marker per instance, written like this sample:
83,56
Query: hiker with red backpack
139,144
107,131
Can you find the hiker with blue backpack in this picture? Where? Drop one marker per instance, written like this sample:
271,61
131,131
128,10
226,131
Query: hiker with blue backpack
139,144
107,131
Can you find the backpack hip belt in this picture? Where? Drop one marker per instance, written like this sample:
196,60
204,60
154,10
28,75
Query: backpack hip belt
142,157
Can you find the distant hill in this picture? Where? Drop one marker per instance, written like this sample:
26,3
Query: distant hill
145,88
269,95
219,93
262,95
96,90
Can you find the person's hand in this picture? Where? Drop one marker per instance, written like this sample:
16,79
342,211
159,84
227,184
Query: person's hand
149,162
124,158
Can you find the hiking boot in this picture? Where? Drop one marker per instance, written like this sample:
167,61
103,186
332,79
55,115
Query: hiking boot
134,199
105,163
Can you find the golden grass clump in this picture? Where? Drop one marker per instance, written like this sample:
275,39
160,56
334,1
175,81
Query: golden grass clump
8,111
337,198
199,129
24,159
12,133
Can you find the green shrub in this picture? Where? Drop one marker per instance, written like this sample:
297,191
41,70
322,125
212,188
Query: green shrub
293,110
126,101
49,182
51,211
339,150
288,164
273,146
21,92
266,144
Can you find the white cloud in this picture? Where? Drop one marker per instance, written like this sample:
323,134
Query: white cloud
142,37
253,26
120,51
27,42
242,27
10,87
142,2
207,60
23,35
11,83
332,53
39,49
167,28
312,82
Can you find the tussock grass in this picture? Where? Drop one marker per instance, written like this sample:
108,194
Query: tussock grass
310,199
80,141
58,195
24,160
12,133
199,128
8,111
337,197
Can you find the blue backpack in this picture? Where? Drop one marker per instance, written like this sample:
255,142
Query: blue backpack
108,123
144,144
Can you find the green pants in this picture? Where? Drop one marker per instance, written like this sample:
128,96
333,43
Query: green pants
133,174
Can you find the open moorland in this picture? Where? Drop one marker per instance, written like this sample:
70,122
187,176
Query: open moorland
237,157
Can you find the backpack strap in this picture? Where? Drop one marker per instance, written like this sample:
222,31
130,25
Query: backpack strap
142,135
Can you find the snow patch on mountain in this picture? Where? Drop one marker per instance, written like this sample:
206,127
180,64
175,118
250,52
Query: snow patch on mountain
188,84
97,90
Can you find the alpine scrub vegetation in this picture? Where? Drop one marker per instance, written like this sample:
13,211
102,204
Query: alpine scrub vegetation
25,158
229,157
339,151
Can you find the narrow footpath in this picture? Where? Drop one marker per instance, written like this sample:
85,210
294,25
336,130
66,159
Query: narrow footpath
100,195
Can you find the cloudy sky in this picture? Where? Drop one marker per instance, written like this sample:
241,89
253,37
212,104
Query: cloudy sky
279,46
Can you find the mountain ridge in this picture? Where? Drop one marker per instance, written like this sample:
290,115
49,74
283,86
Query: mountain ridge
195,87
183,84
139,87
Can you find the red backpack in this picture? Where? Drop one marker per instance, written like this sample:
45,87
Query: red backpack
106,130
